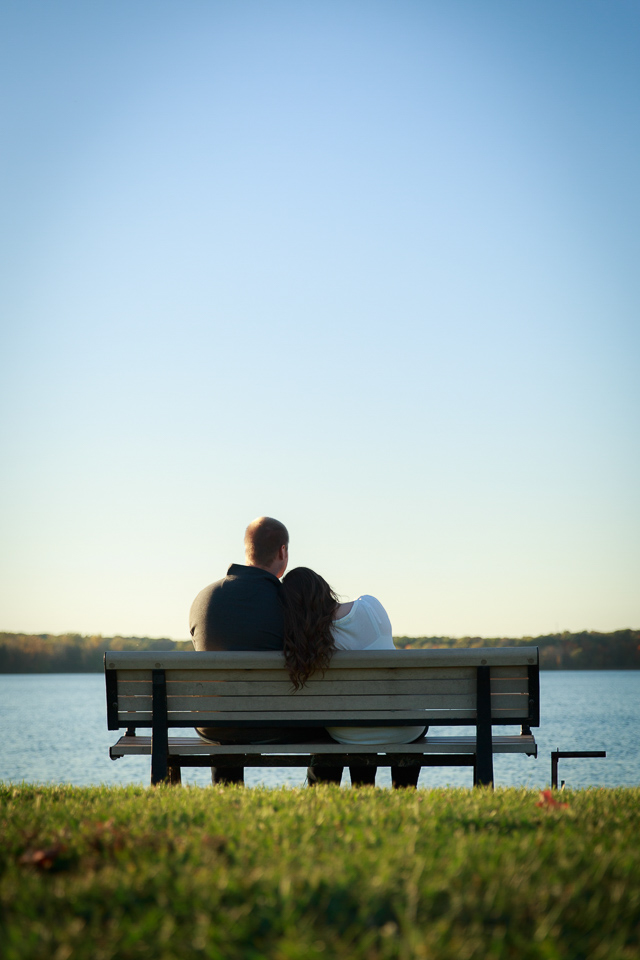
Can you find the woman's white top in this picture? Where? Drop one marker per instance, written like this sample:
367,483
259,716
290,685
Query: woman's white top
367,627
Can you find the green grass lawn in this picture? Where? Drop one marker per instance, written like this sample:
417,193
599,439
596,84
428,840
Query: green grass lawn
301,874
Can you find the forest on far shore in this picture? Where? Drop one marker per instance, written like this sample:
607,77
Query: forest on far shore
73,653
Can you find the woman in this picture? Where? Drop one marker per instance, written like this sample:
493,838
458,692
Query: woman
315,625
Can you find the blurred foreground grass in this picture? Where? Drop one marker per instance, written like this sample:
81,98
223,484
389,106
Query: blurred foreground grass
301,874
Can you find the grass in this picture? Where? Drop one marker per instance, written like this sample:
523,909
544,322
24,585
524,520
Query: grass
367,874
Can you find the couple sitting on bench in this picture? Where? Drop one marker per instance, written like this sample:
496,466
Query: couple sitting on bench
251,609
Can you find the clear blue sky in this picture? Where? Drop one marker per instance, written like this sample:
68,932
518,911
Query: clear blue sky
367,267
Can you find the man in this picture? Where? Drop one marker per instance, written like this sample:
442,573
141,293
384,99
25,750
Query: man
243,612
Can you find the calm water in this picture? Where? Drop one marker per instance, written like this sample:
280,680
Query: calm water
53,730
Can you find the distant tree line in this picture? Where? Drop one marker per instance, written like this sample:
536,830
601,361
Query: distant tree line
70,652
587,650
73,653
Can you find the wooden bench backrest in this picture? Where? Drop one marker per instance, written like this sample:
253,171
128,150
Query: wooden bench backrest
360,687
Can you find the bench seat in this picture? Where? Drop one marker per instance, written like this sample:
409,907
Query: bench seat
195,747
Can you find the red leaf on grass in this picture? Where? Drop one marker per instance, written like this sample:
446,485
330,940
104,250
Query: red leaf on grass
43,859
548,801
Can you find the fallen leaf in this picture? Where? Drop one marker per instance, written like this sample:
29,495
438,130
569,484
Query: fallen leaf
44,858
548,801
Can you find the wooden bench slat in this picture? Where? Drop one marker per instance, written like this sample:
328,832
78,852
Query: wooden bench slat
342,674
257,704
515,671
328,718
240,688
192,688
490,656
194,746
347,674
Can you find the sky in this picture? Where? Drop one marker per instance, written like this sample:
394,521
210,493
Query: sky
368,267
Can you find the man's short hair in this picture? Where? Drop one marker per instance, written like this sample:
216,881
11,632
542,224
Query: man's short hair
262,540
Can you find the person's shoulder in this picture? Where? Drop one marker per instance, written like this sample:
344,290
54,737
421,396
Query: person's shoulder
200,605
376,609
370,601
203,598
249,574
208,590
235,572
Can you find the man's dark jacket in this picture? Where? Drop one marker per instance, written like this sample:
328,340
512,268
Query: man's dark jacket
240,612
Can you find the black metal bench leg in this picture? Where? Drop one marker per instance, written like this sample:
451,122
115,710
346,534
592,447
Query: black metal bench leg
159,765
484,746
405,777
362,776
160,730
221,775
483,769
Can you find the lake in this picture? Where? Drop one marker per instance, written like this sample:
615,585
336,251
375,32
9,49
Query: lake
54,730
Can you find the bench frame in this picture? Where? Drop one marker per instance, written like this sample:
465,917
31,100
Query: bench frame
168,755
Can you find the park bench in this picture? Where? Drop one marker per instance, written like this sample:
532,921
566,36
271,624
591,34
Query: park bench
472,688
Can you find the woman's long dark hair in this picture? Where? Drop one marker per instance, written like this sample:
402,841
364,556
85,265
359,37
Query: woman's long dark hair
309,605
